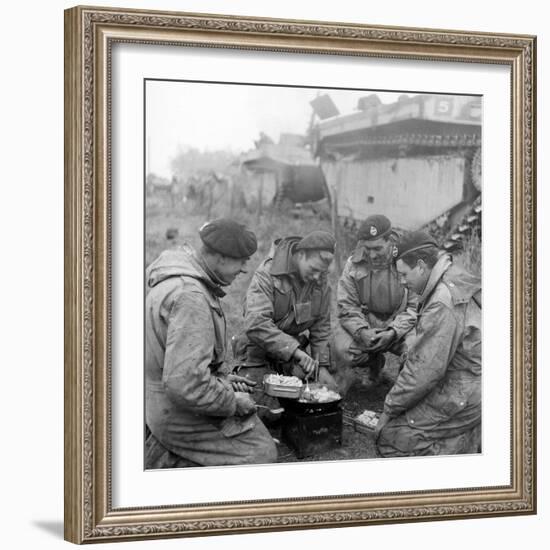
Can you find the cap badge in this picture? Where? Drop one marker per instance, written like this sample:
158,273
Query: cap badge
373,231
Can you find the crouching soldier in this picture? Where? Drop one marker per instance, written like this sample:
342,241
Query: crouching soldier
194,413
434,408
375,311
287,315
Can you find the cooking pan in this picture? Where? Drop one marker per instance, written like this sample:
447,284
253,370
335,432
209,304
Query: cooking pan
308,407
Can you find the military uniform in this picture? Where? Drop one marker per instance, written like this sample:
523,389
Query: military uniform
190,404
282,314
371,297
435,405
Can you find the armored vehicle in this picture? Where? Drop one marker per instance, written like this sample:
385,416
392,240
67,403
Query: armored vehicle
417,160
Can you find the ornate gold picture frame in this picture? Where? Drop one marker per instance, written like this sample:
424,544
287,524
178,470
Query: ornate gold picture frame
90,34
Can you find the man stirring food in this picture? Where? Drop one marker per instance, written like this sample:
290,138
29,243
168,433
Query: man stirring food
287,316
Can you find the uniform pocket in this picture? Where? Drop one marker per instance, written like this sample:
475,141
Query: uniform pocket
448,399
302,313
281,304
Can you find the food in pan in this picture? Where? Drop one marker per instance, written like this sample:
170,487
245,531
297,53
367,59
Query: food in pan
319,395
281,380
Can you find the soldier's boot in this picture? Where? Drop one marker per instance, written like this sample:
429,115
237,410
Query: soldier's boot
375,364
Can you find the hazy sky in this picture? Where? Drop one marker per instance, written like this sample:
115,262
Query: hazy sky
228,116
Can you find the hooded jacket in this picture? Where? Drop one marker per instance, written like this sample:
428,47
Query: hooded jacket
439,387
280,306
185,348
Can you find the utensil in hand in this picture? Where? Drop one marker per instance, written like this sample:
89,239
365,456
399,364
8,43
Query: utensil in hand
279,410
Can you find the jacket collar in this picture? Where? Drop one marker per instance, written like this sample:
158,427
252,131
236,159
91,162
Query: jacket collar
438,270
209,278
282,262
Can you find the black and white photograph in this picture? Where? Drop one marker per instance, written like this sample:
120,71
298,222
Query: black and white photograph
300,274
312,283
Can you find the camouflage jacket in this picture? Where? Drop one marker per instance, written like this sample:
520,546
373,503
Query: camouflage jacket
440,382
373,297
280,306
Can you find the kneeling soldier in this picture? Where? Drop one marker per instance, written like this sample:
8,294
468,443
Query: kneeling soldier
197,411
434,408
375,311
287,314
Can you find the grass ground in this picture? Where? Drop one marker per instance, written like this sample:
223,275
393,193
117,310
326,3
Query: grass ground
187,219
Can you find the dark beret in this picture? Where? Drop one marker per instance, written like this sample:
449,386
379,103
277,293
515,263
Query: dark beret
317,240
415,240
229,238
374,227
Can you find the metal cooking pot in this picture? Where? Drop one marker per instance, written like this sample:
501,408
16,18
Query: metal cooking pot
302,407
309,407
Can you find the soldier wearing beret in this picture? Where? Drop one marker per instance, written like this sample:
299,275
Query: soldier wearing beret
198,412
287,314
375,311
434,408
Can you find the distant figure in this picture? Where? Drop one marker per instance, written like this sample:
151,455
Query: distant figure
174,191
198,412
434,408
172,234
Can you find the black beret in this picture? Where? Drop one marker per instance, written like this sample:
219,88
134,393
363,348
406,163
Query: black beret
374,227
415,240
317,240
229,238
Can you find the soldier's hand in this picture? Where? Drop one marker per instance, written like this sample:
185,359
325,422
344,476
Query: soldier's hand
367,335
382,421
241,383
383,339
245,404
327,379
307,363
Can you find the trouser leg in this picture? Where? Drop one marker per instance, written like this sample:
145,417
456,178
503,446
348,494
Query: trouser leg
375,364
347,355
157,456
342,361
398,438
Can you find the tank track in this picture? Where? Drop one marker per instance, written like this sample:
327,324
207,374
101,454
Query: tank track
452,234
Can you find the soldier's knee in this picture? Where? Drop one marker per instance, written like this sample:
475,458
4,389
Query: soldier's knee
238,346
265,452
271,453
344,378
390,440
340,347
